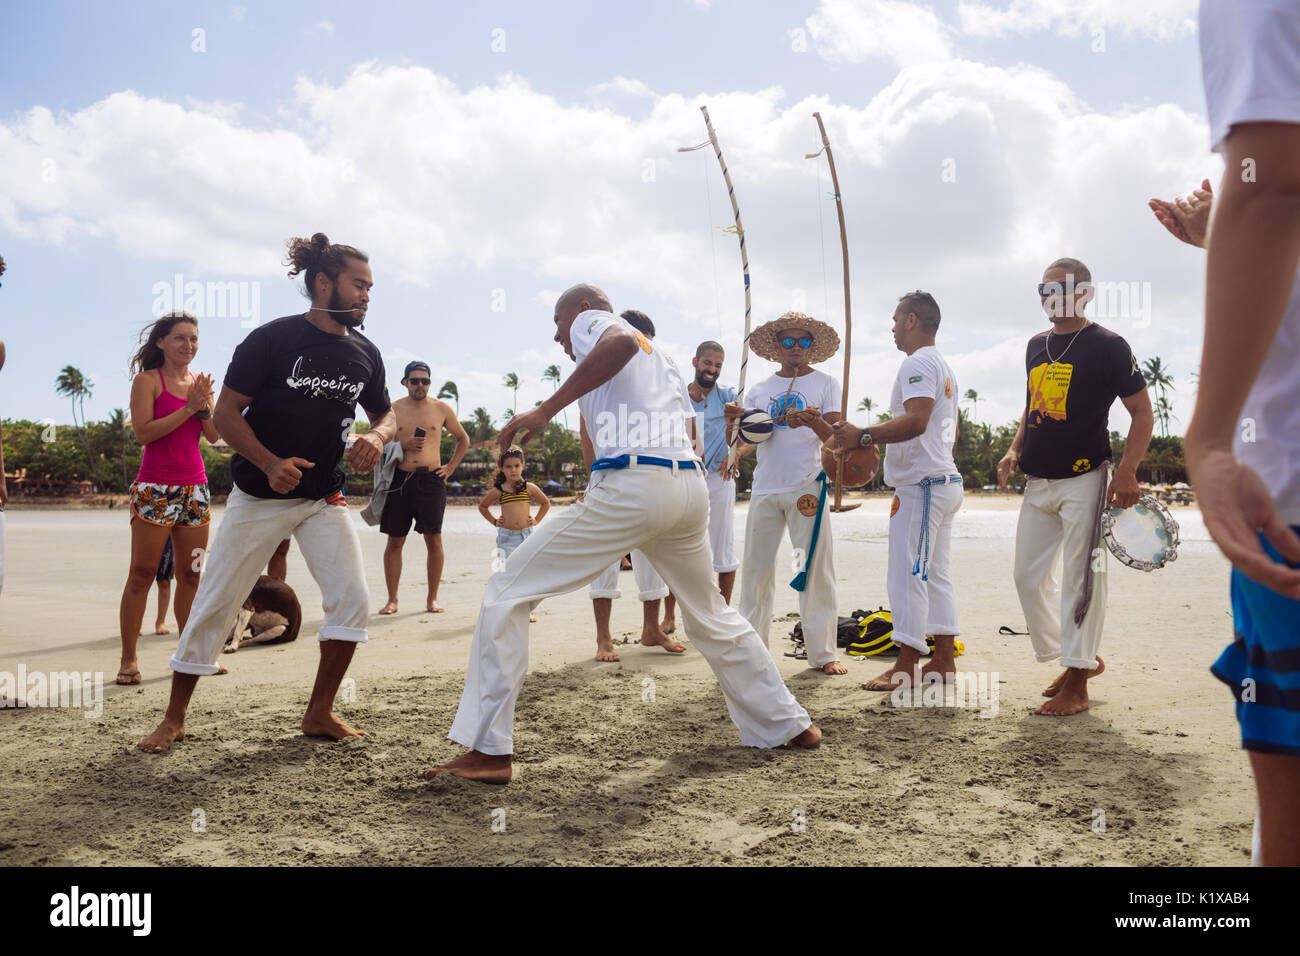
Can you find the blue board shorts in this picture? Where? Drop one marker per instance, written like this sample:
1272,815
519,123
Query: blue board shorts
1262,665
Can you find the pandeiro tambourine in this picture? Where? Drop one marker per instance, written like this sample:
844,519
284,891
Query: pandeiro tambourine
1144,536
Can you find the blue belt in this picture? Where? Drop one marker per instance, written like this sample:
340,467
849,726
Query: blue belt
801,579
922,565
623,461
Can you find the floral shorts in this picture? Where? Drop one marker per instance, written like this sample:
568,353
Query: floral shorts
184,506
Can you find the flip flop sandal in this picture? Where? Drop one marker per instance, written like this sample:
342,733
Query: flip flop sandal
128,674
1006,630
799,654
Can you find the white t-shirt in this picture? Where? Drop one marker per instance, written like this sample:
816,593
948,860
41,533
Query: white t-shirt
1250,58
923,374
792,457
641,410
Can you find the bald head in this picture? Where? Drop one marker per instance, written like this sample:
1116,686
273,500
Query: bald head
581,297
572,303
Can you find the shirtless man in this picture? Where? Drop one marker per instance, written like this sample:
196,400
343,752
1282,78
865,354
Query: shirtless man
419,488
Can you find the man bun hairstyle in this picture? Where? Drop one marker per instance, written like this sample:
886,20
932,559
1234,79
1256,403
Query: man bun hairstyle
926,309
318,256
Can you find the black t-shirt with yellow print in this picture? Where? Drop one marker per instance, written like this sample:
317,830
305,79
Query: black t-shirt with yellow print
1067,401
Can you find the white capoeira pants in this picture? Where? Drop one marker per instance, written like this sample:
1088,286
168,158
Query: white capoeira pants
769,516
1057,520
722,522
649,585
921,596
664,514
250,531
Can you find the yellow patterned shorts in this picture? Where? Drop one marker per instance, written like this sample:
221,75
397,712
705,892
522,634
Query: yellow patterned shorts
184,506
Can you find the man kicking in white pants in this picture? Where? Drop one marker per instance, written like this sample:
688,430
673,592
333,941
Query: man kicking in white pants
300,379
927,495
647,492
789,491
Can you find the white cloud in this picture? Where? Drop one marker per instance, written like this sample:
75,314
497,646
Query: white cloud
325,26
856,30
461,191
1160,19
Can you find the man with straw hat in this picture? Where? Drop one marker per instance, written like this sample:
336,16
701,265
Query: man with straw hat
789,491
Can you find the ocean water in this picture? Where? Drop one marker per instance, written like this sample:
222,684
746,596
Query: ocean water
870,523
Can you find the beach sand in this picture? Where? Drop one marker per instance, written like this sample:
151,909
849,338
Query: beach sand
632,763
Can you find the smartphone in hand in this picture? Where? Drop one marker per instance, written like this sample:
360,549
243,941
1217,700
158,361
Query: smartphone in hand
420,432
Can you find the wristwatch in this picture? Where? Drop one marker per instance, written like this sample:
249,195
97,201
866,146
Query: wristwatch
866,440
205,414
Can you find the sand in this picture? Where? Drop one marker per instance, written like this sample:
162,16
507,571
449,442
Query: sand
607,772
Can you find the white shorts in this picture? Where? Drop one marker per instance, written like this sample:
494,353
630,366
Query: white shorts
649,585
921,596
250,531
722,521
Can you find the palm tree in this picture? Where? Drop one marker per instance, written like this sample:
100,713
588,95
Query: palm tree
449,390
1164,412
973,397
72,384
511,381
118,422
552,375
866,405
481,424
1157,376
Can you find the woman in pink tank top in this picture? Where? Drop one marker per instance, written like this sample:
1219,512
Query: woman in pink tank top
170,409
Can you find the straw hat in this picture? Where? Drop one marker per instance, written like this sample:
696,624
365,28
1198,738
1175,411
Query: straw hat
763,340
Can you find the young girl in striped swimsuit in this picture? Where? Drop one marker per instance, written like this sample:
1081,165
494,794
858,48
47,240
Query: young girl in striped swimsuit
515,496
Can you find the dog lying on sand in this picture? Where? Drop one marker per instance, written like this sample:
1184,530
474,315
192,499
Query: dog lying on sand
271,615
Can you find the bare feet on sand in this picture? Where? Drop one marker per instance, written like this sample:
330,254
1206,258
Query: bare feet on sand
605,650
834,667
434,607
161,739
161,628
660,639
485,768
327,725
669,625
1054,687
389,608
810,738
1068,694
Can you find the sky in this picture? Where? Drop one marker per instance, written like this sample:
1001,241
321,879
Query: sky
488,156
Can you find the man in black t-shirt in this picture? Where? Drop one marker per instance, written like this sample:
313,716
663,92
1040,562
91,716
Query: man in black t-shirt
1075,373
287,408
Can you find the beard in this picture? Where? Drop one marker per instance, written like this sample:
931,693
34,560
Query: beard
338,308
705,380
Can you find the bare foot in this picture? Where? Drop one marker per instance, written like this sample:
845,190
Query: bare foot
1065,704
485,768
943,670
328,726
834,667
660,639
161,628
890,679
389,608
810,738
605,650
221,669
1054,687
11,703
434,607
669,625
161,739
532,619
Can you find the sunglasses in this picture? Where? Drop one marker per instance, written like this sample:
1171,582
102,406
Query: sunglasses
420,381
803,341
1046,289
